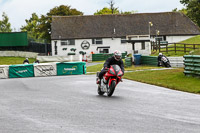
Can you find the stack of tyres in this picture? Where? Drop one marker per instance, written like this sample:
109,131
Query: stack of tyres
128,61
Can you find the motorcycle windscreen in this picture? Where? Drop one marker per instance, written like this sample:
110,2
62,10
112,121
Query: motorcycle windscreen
116,68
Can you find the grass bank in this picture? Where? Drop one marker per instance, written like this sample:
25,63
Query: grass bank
192,40
96,68
173,79
14,60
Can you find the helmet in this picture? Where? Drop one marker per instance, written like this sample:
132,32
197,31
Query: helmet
160,54
117,55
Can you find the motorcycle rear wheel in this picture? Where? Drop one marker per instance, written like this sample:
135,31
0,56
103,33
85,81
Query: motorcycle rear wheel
99,91
111,89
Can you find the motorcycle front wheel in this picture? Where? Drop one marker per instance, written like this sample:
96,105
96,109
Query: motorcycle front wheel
99,91
111,88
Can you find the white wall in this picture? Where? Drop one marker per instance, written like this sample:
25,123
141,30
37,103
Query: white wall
114,44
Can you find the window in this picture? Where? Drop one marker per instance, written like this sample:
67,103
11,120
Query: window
97,41
104,51
143,45
68,42
158,39
123,40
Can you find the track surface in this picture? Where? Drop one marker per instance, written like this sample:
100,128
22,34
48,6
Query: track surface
70,104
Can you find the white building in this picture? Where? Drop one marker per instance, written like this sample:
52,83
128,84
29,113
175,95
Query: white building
127,33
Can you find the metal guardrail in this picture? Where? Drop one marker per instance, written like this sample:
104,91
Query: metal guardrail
192,65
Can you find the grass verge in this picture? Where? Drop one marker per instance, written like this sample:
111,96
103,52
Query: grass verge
14,60
172,78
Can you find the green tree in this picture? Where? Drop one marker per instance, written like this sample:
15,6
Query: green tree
45,20
112,10
129,12
106,10
32,27
193,9
183,10
5,25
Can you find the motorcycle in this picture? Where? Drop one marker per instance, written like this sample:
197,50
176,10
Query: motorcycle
110,80
165,62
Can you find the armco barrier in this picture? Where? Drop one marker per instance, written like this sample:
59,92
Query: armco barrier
21,71
192,65
71,68
4,71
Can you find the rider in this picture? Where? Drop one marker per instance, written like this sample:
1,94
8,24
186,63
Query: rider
26,61
159,59
114,60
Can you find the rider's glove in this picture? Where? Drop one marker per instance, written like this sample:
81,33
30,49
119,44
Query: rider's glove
106,68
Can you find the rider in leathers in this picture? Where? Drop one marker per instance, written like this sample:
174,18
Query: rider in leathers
114,60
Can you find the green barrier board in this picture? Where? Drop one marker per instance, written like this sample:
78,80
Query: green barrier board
21,71
71,68
13,39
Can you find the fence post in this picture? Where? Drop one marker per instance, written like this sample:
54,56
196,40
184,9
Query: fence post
159,46
184,48
167,47
194,46
175,47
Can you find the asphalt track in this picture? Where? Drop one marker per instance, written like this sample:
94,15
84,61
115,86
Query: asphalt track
70,104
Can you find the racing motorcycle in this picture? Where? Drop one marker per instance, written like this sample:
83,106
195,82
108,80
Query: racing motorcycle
165,62
110,80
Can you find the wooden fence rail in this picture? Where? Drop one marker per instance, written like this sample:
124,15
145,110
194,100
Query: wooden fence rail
166,47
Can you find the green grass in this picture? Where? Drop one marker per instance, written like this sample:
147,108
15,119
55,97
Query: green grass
193,40
173,78
96,68
14,60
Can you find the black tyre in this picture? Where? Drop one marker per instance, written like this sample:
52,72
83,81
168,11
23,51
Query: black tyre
111,89
99,91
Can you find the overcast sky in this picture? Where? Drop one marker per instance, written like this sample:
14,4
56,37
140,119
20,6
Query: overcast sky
19,10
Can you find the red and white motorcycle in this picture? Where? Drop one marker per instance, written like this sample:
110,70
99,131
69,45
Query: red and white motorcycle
110,80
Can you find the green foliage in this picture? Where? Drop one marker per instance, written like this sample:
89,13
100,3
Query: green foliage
193,10
112,10
5,25
106,10
40,28
183,10
174,79
31,27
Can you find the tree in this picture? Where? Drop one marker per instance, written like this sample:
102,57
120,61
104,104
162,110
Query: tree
193,9
112,10
32,27
5,25
129,12
45,20
183,10
40,27
106,10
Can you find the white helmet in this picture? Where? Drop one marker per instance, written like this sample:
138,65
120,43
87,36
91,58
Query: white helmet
117,55
160,54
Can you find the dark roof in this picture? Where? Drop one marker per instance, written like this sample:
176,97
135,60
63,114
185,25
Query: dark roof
168,23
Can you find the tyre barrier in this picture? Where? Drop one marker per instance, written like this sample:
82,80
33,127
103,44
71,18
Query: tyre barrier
192,65
42,69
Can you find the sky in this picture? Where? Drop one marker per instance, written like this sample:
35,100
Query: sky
19,10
